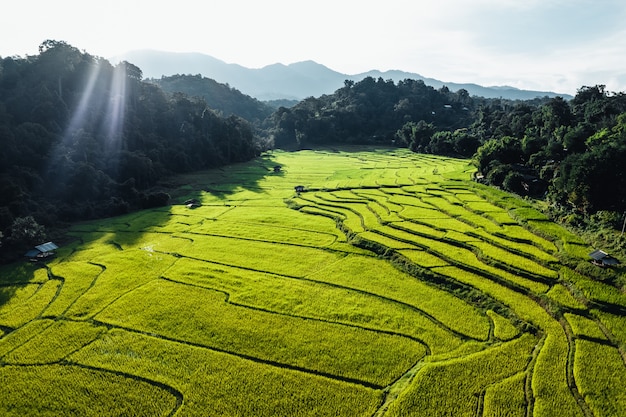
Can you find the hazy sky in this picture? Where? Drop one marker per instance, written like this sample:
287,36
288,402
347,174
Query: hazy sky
557,45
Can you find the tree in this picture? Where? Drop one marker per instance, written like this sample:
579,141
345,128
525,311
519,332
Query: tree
25,232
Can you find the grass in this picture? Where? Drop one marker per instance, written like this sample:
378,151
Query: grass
506,398
59,390
53,344
391,286
310,299
220,384
318,347
452,387
599,371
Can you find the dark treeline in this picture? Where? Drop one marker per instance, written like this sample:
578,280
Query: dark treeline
371,111
225,99
82,138
571,153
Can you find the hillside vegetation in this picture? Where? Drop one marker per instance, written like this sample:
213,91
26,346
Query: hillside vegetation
391,285
83,139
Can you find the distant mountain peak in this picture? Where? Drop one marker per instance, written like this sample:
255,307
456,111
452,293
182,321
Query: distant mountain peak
293,81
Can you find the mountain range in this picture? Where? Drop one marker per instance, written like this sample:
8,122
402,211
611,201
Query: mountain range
294,81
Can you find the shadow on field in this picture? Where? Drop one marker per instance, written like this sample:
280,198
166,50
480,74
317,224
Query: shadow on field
225,181
14,276
188,190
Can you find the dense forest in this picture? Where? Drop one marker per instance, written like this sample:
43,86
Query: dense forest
226,100
569,152
82,138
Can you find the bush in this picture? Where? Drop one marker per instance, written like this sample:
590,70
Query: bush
157,199
25,232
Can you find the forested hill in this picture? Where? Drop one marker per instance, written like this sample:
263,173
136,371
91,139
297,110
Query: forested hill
229,101
378,111
81,138
570,152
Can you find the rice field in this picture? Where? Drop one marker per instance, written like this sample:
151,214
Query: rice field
391,286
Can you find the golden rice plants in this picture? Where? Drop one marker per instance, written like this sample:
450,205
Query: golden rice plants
380,278
523,248
423,258
267,233
27,302
261,256
561,295
412,230
56,390
582,326
616,324
514,260
202,317
54,343
18,337
278,215
520,234
218,384
77,278
599,373
387,240
451,388
503,329
318,300
552,395
465,258
506,398
594,290
22,273
126,270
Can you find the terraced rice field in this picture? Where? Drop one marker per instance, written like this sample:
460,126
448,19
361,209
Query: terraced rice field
392,286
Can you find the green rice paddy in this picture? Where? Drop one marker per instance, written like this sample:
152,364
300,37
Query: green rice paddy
391,286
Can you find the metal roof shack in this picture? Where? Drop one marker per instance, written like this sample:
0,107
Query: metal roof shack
603,259
45,250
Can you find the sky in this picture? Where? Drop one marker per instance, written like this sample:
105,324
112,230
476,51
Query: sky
546,45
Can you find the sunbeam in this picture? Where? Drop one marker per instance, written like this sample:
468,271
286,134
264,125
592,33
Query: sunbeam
116,108
81,112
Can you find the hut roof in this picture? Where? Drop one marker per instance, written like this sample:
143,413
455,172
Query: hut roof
46,247
603,257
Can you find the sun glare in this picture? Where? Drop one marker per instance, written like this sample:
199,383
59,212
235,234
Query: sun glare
116,108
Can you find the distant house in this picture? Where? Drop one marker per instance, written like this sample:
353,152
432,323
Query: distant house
43,251
299,188
192,203
602,259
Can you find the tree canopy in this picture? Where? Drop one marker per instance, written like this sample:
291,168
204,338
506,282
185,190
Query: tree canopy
82,138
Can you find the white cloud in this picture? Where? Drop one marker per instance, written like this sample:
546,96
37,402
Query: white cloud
541,44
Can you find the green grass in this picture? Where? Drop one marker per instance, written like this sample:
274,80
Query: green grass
58,390
582,326
219,384
599,371
54,343
452,387
506,398
325,348
503,328
266,303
